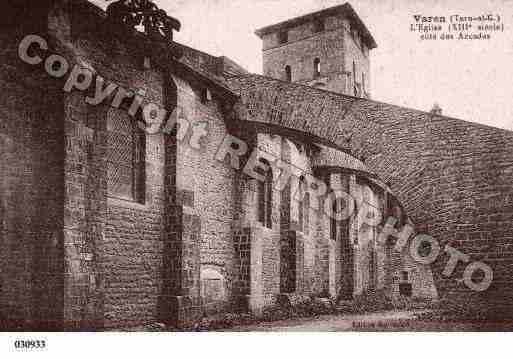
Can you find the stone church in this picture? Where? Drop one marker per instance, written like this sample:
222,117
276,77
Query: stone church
103,225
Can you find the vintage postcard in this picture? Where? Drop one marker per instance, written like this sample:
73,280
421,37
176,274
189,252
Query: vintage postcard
255,166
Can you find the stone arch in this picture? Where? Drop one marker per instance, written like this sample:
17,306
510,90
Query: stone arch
444,171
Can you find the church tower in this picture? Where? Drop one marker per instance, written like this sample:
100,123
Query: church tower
328,49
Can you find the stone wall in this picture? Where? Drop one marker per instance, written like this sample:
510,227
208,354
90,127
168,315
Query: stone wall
207,182
31,185
336,48
355,51
148,263
302,49
204,186
73,256
117,245
453,177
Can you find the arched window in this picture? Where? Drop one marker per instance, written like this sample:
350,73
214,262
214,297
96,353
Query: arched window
265,197
304,206
317,67
355,89
126,148
288,74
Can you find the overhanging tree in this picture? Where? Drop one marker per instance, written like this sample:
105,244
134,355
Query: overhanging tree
143,14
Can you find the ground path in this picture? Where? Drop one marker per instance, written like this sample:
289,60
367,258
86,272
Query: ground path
381,321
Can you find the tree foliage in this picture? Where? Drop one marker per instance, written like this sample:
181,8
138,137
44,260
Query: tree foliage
145,14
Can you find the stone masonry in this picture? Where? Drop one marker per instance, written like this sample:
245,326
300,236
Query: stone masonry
200,235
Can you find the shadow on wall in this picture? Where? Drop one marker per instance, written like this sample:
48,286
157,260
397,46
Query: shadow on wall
2,239
15,234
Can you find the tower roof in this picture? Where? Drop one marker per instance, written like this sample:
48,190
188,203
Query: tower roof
345,9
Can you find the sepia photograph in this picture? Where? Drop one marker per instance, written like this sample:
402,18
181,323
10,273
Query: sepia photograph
173,167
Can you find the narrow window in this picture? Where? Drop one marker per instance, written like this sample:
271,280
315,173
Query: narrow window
265,197
334,210
333,220
126,146
355,89
372,271
306,209
288,74
304,206
363,82
319,26
354,32
317,67
206,95
283,37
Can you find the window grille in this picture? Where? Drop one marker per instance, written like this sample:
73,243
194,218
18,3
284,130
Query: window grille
126,144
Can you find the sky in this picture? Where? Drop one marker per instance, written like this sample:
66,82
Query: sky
469,79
